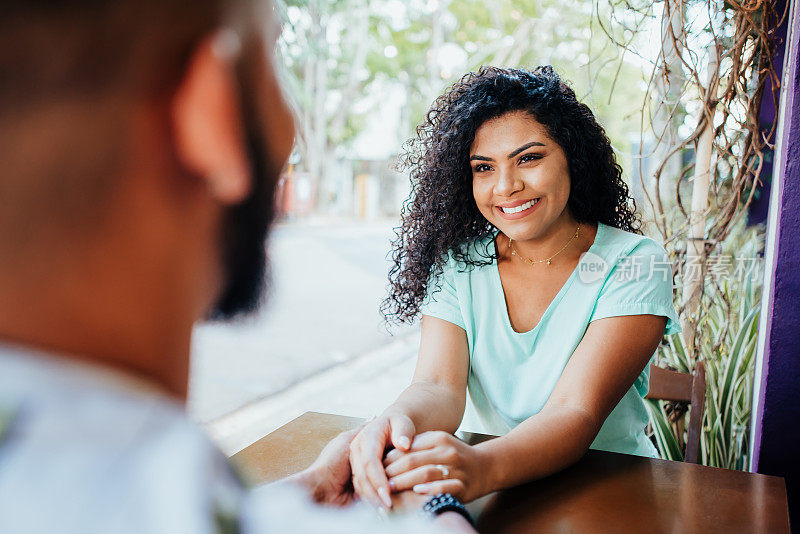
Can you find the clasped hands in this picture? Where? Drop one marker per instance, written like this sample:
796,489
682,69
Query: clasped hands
425,464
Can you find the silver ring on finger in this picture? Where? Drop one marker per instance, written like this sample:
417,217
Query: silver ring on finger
444,469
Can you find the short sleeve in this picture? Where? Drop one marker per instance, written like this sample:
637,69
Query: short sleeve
441,298
639,284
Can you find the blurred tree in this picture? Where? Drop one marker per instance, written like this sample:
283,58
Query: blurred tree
324,46
342,56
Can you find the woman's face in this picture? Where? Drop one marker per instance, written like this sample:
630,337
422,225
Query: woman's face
520,177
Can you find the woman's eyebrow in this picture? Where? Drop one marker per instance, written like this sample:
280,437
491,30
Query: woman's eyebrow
526,146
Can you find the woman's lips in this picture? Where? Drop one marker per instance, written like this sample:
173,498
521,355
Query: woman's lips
519,214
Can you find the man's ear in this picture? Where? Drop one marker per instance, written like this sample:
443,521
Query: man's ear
207,122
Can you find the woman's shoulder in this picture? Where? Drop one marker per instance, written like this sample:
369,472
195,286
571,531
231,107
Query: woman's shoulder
629,257
615,242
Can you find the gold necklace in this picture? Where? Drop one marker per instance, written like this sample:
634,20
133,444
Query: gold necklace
533,262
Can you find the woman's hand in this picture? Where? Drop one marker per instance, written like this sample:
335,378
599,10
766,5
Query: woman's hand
439,462
367,451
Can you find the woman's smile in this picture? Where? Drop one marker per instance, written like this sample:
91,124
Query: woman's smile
519,209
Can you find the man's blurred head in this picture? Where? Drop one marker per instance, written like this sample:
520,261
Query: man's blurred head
158,121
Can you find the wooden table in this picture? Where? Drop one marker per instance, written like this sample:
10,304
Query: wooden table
603,492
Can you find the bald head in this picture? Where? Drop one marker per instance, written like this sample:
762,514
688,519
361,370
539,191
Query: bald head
71,76
87,48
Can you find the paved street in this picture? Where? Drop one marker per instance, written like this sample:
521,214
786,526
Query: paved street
329,278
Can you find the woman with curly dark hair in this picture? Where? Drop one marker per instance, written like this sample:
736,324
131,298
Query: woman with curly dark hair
520,247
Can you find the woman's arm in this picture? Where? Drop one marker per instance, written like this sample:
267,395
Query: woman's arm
434,400
440,379
603,367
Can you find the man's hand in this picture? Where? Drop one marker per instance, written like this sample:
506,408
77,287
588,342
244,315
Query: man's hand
408,501
411,502
329,478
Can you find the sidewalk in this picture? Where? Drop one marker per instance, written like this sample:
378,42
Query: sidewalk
323,310
361,387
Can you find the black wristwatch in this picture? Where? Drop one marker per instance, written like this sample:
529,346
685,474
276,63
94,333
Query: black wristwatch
444,502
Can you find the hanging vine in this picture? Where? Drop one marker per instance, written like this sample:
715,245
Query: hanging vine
700,162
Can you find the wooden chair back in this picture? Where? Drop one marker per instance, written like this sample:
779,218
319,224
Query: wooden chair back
683,387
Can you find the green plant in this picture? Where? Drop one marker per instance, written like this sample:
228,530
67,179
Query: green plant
726,342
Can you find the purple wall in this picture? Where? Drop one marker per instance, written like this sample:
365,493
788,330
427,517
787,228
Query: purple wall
776,447
759,208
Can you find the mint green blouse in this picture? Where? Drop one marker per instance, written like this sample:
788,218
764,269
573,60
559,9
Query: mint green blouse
512,374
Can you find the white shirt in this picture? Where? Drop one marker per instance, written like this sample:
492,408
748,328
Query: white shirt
86,449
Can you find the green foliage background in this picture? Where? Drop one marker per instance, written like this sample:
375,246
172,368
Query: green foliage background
519,33
727,339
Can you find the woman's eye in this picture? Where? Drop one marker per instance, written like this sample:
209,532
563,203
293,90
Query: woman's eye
481,168
529,157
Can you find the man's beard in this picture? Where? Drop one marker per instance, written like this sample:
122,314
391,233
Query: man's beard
246,273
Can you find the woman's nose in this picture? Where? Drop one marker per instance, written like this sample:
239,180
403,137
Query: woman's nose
508,183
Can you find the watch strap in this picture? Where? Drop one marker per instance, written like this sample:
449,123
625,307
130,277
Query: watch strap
444,502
